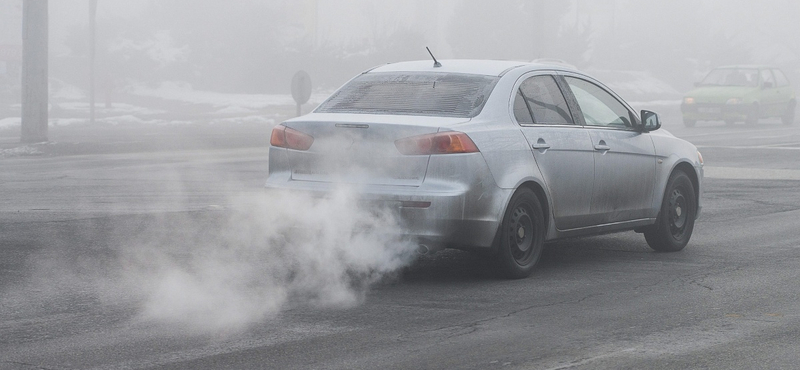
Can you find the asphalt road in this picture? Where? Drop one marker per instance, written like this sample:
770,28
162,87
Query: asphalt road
68,222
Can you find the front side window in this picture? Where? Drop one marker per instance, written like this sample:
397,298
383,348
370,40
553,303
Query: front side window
542,98
780,78
766,78
599,107
423,94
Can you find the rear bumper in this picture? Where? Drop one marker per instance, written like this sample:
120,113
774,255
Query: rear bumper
458,204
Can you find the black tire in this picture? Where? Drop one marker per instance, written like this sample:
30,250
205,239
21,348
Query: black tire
753,114
520,239
788,117
689,122
675,220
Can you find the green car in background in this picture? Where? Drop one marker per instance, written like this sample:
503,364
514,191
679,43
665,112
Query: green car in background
740,93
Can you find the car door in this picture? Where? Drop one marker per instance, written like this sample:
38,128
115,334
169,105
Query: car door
562,150
624,157
785,90
772,103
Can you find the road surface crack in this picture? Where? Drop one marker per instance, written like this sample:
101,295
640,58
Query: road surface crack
473,326
33,366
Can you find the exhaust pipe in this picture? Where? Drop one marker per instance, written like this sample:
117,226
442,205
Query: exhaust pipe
423,249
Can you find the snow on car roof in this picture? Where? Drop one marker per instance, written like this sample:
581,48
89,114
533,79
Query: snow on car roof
479,67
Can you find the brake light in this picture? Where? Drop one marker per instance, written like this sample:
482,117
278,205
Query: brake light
285,137
449,142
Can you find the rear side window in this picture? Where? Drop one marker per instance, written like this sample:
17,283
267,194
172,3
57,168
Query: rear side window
543,100
521,111
419,94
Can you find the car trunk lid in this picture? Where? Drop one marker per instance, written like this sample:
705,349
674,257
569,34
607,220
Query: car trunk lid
360,149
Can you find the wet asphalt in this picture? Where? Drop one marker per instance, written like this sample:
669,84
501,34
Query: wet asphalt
71,207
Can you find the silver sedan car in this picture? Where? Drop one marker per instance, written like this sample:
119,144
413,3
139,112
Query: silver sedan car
497,157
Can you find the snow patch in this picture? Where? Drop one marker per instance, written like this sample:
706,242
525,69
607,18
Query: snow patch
61,122
183,92
10,122
247,119
20,151
118,108
234,110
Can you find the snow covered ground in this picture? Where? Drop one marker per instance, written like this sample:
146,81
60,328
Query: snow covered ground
171,103
227,103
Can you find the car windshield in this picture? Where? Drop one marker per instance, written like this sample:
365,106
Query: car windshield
732,77
423,94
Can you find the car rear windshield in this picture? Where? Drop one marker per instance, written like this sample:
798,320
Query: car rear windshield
419,94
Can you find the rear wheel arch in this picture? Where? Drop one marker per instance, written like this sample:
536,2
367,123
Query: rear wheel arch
542,195
521,234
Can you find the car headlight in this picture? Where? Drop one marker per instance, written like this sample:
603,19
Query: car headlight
700,159
688,100
734,101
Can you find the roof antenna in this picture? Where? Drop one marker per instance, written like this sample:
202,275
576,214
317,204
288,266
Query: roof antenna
436,63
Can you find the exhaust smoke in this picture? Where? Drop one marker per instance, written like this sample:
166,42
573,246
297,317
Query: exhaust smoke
274,250
222,270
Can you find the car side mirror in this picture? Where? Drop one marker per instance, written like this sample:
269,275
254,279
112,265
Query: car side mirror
768,85
650,121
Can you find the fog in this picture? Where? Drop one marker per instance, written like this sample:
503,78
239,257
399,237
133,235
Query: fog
227,62
255,46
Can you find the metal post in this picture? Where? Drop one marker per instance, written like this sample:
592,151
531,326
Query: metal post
34,71
92,44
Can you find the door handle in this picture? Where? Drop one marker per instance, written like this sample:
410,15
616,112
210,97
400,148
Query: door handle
602,146
540,144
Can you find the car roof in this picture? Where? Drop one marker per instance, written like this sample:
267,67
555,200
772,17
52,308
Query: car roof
467,66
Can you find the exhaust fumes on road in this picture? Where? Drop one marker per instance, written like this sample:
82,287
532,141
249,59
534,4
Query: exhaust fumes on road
220,269
274,250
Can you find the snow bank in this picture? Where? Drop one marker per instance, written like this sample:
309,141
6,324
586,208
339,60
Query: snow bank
10,122
184,92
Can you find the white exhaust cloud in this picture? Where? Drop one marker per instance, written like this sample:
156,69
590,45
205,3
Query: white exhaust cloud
219,270
274,250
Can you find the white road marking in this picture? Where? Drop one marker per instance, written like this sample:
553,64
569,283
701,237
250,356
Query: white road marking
738,132
733,173
773,146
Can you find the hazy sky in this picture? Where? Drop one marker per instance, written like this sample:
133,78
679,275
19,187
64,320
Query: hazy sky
625,34
767,23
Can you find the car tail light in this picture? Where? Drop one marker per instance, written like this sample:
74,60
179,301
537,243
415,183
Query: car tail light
285,137
449,142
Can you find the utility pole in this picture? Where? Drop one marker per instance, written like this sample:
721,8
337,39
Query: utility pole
34,71
92,45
